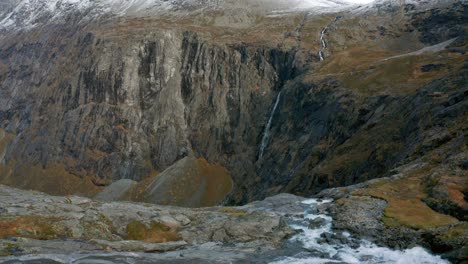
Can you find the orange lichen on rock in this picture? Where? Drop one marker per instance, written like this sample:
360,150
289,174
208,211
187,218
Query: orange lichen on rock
455,187
36,227
154,233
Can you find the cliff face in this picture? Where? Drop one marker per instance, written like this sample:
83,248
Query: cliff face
125,98
115,108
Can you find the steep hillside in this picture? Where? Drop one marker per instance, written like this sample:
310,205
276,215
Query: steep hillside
287,98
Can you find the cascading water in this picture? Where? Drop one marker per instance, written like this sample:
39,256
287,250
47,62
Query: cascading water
322,38
316,243
266,133
322,245
324,44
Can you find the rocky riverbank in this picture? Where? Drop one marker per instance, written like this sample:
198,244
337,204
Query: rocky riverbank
36,227
397,211
36,223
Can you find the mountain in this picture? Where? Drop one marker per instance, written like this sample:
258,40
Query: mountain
26,14
201,103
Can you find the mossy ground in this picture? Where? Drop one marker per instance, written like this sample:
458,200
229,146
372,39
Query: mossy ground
219,179
137,193
196,183
54,179
155,232
455,232
37,227
233,212
367,71
405,202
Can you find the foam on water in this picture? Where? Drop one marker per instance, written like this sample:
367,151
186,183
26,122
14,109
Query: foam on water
338,252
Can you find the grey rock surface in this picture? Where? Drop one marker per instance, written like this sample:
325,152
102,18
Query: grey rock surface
89,225
116,191
139,246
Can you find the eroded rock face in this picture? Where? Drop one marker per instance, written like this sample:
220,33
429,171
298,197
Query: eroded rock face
96,101
419,205
126,226
124,111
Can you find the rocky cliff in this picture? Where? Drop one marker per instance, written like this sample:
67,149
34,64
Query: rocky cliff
89,98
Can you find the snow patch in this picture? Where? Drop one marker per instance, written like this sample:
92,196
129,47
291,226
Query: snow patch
30,13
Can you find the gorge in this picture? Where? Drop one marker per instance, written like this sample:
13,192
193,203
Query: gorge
223,107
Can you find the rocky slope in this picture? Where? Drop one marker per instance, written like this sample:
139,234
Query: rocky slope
37,228
229,102
35,223
90,95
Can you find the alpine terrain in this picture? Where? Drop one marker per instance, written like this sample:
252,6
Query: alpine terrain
233,131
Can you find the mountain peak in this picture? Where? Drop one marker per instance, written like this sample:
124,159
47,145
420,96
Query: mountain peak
26,14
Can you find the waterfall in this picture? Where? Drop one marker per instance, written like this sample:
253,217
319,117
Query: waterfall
266,133
324,44
322,38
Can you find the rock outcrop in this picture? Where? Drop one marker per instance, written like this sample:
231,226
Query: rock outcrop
66,224
419,205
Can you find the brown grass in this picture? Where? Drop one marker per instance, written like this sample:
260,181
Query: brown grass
54,179
405,205
455,232
364,70
36,227
219,182
137,193
154,233
455,187
233,212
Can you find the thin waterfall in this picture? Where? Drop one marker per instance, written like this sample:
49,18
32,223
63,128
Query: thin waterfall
324,44
266,133
322,38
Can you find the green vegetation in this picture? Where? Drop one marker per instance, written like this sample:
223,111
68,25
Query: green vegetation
455,232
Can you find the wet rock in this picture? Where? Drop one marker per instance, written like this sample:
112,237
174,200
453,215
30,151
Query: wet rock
139,246
464,165
316,223
358,214
458,256
333,239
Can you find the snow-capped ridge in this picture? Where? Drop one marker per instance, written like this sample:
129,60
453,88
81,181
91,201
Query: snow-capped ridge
414,4
30,13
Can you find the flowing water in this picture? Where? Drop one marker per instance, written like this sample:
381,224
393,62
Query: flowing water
266,133
317,243
342,247
324,44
